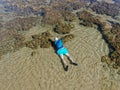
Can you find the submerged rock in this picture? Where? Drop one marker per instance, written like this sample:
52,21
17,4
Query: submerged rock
39,40
22,24
115,66
19,41
106,59
32,44
105,8
118,72
67,38
63,28
68,16
52,16
111,36
88,19
45,43
33,53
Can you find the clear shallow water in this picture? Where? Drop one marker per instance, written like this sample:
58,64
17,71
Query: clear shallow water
44,71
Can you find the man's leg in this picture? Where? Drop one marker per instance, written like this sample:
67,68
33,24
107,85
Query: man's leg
70,58
64,62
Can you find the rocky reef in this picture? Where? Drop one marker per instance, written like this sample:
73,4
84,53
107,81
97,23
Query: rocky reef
40,40
68,16
67,38
110,35
52,17
113,38
19,41
89,20
105,8
43,40
22,24
29,13
63,28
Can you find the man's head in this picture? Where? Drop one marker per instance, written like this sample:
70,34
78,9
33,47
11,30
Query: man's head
56,38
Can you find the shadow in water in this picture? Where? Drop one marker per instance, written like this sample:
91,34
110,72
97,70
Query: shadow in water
52,44
111,48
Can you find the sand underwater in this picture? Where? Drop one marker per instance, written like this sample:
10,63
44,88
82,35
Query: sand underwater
41,68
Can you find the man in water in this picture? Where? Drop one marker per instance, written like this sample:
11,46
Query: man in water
61,51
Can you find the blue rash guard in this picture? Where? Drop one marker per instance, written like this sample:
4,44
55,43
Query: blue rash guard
60,49
58,44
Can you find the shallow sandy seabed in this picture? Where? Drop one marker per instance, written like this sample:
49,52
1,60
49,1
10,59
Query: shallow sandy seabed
44,71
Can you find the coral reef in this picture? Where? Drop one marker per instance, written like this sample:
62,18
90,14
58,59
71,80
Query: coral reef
105,8
88,19
45,43
19,41
67,38
14,43
6,41
68,16
22,24
111,36
59,14
40,40
106,59
52,17
33,53
113,39
63,28
32,44
79,4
